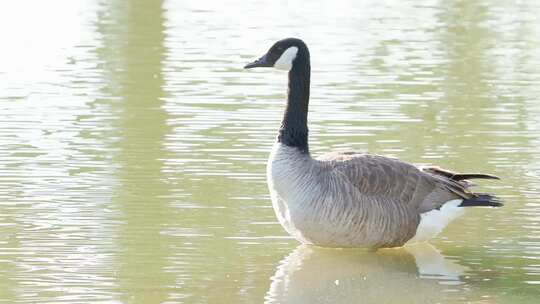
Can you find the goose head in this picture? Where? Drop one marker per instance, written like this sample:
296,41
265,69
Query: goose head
282,55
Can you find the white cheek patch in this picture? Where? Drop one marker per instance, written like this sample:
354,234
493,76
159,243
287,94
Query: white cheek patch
285,61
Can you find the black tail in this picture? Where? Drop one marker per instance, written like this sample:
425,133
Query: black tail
482,200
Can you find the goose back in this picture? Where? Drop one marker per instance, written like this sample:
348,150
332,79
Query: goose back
348,199
319,203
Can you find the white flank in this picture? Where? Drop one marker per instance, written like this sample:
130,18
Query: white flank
285,61
434,221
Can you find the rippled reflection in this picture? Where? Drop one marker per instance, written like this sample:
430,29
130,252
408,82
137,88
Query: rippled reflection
133,146
133,52
416,274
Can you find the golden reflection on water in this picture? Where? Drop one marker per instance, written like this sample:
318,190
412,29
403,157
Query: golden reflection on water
133,147
132,54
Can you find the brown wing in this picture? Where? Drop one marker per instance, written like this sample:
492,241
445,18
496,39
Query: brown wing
395,181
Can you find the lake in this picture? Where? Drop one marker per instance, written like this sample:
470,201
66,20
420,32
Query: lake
133,147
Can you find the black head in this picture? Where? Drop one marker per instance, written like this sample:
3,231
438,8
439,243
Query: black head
281,55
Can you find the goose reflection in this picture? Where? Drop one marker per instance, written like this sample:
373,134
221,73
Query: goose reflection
415,274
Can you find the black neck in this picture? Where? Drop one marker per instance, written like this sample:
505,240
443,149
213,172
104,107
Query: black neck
294,131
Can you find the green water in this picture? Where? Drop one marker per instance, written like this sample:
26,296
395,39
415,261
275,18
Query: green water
133,147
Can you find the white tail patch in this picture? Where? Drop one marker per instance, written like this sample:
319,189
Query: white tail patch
285,60
434,221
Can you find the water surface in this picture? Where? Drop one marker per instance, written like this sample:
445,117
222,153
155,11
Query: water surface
133,147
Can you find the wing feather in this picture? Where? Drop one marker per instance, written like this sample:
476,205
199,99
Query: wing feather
390,180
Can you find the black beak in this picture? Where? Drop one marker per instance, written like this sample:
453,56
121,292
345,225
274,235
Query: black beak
261,62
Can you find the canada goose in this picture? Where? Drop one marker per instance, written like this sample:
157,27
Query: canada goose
349,199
